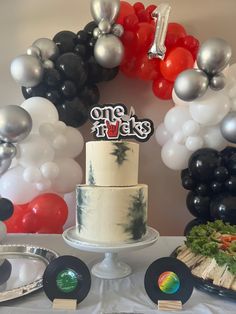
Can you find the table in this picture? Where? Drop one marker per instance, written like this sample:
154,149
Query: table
125,295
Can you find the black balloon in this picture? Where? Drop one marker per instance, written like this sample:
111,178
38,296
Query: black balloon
230,185
72,67
52,78
89,28
223,206
199,206
6,209
95,71
221,174
231,164
202,189
73,112
216,187
81,51
193,223
202,164
69,89
90,95
82,37
109,74
36,91
65,40
188,183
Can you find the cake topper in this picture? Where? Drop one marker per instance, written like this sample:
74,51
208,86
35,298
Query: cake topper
114,122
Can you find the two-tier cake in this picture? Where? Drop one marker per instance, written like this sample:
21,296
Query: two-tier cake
111,206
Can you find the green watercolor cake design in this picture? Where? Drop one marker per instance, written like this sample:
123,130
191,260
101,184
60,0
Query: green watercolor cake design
91,179
137,216
82,201
120,152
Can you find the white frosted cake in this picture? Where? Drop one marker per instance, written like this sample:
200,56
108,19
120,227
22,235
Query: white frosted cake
111,206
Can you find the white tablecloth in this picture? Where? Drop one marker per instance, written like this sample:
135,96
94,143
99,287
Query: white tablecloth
125,295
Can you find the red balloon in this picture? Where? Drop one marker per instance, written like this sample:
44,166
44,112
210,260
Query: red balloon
189,42
176,29
14,223
178,60
145,36
129,40
143,16
138,6
50,210
162,88
30,222
50,230
130,67
150,9
125,10
149,69
131,22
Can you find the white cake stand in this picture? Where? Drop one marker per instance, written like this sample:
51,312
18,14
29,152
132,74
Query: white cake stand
111,267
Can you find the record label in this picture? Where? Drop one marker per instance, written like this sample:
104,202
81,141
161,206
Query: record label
168,279
67,277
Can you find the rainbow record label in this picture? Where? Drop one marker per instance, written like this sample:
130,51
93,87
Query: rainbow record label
168,279
67,277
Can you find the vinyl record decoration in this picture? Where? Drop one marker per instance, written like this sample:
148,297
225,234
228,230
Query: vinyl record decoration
67,277
67,69
168,279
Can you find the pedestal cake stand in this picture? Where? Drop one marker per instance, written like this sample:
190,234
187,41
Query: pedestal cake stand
110,267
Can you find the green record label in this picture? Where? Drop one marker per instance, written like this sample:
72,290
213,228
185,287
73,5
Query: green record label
67,280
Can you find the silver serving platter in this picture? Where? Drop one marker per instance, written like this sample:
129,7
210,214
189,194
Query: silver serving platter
28,264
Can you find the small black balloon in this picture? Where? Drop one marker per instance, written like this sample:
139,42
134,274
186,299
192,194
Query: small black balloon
54,96
73,112
202,189
231,164
230,185
199,206
184,173
65,40
82,37
188,183
223,206
221,174
36,91
216,187
90,95
89,28
109,74
202,164
52,78
72,66
193,223
6,209
68,89
95,71
81,50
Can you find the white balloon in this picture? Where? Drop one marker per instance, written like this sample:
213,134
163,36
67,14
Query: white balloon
194,143
41,111
190,128
74,144
35,151
176,117
70,199
175,156
60,126
32,174
15,188
44,185
162,135
213,138
70,174
59,142
211,108
3,231
179,137
177,100
50,170
47,130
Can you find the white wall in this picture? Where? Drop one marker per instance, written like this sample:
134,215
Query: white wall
23,21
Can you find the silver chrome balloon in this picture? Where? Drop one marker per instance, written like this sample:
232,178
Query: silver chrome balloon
218,81
4,165
191,84
104,26
108,51
105,9
47,47
34,51
228,127
15,124
214,55
96,32
7,150
117,30
27,70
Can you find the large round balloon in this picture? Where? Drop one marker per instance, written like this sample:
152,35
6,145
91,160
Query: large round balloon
203,163
199,206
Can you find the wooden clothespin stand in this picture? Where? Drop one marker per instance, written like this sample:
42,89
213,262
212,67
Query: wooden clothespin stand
64,304
169,305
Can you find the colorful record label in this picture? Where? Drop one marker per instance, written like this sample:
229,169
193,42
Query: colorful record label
168,282
67,280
